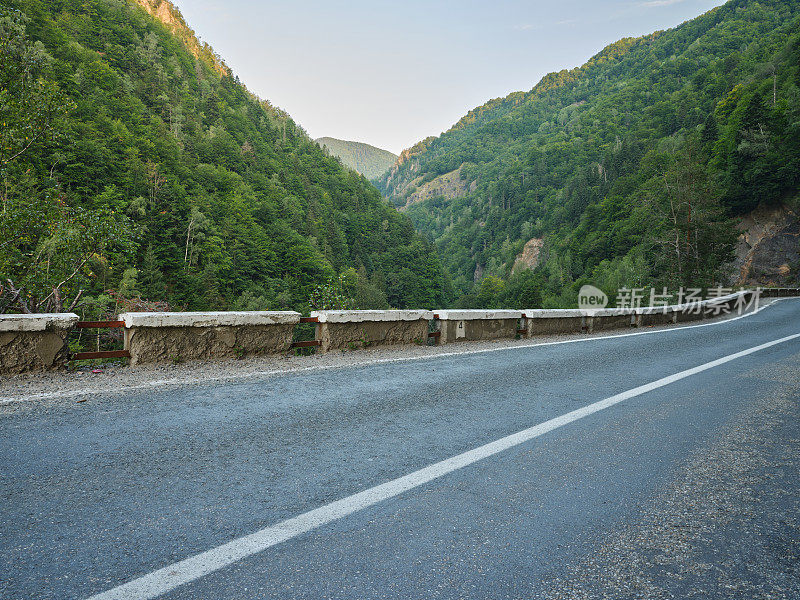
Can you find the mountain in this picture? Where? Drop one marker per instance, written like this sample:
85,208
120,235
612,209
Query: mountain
138,170
367,160
633,169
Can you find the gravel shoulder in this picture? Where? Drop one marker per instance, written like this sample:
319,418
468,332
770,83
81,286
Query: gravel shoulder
73,385
727,527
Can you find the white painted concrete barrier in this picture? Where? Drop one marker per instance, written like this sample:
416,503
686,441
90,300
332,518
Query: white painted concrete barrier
178,336
209,319
34,342
37,322
351,329
365,316
560,320
477,324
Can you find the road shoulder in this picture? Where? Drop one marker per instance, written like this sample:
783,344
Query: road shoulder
727,528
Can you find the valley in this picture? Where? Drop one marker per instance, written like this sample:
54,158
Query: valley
667,160
687,134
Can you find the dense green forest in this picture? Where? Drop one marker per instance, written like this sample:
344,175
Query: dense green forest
367,160
138,172
633,168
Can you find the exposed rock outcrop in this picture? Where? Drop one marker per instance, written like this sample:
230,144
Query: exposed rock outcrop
406,167
529,257
768,248
449,185
169,15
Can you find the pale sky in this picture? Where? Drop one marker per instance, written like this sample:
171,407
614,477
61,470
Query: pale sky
392,73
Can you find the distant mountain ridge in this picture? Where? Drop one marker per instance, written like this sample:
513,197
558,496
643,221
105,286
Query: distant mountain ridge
368,160
633,168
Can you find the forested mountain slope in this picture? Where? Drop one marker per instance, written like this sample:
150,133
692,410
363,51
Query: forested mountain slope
135,165
367,160
632,169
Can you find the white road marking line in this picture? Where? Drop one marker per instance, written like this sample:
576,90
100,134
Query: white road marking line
178,381
168,578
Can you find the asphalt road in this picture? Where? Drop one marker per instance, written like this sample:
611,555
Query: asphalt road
691,489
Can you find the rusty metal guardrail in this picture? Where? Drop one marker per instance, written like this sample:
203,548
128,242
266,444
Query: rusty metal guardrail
99,353
307,343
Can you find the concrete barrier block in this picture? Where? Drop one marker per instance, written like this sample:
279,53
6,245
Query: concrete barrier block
352,329
174,337
689,313
569,320
553,322
474,325
650,316
365,316
607,322
780,292
730,303
36,342
554,313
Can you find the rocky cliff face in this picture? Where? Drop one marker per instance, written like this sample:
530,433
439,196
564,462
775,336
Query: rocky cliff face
450,185
404,170
529,257
171,17
768,248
